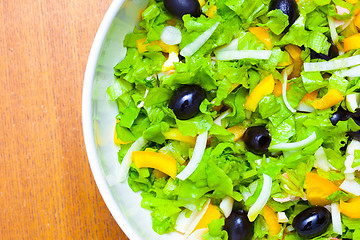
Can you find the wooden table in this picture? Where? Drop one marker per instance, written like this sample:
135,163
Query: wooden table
47,190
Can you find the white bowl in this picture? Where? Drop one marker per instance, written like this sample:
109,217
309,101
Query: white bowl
98,117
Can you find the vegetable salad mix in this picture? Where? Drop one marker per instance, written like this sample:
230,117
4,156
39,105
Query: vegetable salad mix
239,119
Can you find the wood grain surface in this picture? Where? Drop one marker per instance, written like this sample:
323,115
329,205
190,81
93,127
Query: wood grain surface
47,190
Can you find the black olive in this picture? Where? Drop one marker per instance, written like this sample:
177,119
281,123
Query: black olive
238,226
340,115
288,7
186,100
356,116
179,8
312,222
257,139
333,53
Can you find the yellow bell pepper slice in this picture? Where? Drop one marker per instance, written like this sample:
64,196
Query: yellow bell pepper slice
295,53
263,35
265,87
175,134
142,46
238,132
352,1
352,42
318,189
211,11
351,208
285,62
331,98
118,141
212,213
271,221
202,2
159,161
278,88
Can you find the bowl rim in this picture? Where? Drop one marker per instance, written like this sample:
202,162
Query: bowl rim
87,122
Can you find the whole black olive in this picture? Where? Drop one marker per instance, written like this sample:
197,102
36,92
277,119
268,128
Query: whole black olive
333,53
257,139
340,115
312,222
238,226
186,100
288,7
179,8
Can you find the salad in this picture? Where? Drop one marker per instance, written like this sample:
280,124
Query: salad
240,119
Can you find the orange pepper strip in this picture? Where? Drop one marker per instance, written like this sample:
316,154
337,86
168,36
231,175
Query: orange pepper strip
211,11
263,35
271,220
295,53
331,98
175,134
351,208
238,131
352,42
318,189
278,88
310,97
142,46
212,213
159,161
357,21
265,87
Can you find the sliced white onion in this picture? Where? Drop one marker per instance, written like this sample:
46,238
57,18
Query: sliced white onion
332,64
197,219
226,206
217,121
259,204
303,107
285,74
321,161
197,235
141,104
243,54
183,222
333,33
350,186
336,218
282,218
191,48
350,156
233,45
169,63
171,35
352,101
293,145
125,164
288,198
341,10
352,72
198,153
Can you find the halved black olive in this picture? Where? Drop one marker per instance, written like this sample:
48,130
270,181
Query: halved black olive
288,7
333,53
238,226
179,8
186,100
257,139
312,222
340,115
